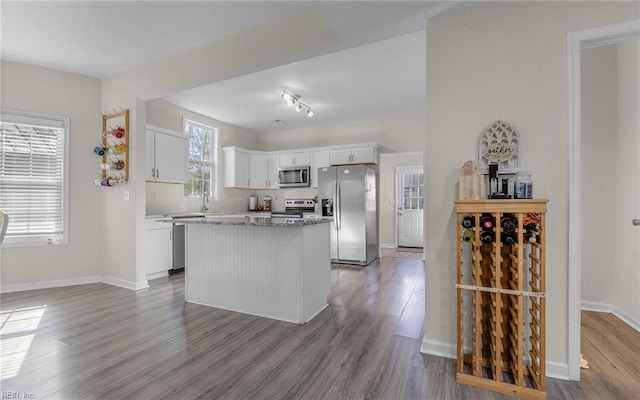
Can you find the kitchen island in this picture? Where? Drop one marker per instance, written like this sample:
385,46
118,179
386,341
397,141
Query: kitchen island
270,267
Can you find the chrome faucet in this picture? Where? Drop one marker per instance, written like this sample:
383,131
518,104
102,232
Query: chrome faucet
205,200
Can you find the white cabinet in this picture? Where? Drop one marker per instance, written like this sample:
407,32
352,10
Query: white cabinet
259,171
236,167
319,159
166,156
295,159
274,163
355,155
158,249
263,171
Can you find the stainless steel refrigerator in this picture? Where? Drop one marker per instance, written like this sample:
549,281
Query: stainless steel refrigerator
347,195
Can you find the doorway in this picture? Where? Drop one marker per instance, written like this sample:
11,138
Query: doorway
576,42
410,205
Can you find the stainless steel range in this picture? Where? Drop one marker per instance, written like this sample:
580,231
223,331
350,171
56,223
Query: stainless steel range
295,208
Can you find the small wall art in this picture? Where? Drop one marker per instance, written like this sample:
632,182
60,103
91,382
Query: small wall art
499,144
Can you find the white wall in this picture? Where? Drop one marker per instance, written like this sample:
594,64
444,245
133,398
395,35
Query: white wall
28,88
599,147
610,172
627,246
503,60
394,135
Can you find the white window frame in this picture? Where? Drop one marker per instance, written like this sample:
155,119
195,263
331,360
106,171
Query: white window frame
214,163
47,120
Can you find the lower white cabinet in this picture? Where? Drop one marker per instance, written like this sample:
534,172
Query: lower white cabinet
158,249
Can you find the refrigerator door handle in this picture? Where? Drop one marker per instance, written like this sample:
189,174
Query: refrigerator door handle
338,213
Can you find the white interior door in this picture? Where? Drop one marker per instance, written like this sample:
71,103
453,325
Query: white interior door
410,187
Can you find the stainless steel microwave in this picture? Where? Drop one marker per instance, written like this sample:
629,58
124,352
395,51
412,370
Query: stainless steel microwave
294,177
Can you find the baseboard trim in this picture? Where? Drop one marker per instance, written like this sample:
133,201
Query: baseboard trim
156,275
125,284
593,306
437,348
431,347
387,246
21,287
557,370
609,308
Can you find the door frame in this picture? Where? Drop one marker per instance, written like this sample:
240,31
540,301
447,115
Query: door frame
576,41
396,220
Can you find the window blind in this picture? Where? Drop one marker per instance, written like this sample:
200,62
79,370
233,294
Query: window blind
32,187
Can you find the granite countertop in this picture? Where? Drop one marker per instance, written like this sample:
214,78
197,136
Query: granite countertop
250,220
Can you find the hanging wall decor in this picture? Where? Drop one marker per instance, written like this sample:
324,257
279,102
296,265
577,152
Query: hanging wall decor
499,144
114,149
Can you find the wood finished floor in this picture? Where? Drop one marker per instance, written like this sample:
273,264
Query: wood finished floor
102,342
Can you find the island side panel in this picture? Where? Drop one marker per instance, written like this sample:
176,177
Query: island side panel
316,276
250,269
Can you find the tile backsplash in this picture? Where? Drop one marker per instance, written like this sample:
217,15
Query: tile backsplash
164,198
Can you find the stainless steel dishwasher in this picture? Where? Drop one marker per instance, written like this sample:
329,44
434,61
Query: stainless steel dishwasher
178,235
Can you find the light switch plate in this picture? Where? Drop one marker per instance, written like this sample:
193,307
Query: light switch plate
126,195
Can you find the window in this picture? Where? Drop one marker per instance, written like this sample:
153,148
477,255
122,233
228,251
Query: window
413,191
34,187
202,156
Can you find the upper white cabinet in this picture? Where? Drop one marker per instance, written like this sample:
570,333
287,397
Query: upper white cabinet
259,169
274,163
355,155
294,159
263,171
166,156
319,159
236,167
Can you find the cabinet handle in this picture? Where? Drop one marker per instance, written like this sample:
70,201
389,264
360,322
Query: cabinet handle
636,222
153,172
157,173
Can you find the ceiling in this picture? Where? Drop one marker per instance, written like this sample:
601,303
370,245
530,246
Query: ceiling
376,71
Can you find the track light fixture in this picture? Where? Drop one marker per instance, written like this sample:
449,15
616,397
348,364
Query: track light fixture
292,99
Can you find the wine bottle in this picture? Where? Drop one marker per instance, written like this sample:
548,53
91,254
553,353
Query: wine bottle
532,226
508,223
508,238
486,221
487,236
530,237
468,221
468,235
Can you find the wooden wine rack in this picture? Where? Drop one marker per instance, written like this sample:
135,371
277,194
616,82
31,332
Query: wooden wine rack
501,300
